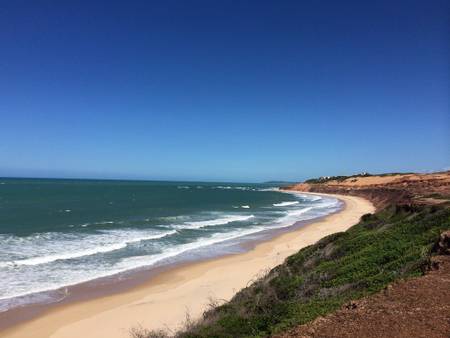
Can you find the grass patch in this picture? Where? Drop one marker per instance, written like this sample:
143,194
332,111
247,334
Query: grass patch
392,244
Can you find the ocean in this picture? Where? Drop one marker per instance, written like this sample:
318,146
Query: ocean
55,233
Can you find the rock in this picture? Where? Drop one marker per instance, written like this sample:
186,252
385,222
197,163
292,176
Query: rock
443,246
351,306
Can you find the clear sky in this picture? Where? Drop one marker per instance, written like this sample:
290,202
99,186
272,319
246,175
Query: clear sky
223,90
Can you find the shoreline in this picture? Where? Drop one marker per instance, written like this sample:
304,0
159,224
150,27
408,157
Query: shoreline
133,278
162,300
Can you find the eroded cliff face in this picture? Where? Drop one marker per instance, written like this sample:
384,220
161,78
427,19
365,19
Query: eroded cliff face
384,190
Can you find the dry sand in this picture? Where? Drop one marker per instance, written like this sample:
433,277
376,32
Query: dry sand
164,300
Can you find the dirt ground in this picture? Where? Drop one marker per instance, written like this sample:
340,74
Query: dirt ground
415,308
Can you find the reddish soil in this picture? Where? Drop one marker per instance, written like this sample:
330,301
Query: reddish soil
386,190
418,307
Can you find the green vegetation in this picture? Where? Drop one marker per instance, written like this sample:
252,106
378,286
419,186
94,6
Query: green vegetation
325,179
394,243
394,174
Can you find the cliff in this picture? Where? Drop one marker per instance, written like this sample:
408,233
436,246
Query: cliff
385,190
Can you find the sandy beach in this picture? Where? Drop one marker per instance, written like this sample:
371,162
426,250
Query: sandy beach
165,299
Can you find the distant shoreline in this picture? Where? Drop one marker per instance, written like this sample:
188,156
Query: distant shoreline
164,299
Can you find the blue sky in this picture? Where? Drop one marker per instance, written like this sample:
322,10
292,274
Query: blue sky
223,90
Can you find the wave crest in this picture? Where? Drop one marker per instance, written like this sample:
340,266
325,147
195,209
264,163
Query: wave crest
285,204
82,253
217,221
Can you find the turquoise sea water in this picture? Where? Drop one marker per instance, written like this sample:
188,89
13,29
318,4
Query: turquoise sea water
55,233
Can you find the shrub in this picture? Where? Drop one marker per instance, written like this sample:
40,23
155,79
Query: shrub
394,243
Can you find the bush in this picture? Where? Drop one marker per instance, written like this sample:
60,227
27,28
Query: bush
394,243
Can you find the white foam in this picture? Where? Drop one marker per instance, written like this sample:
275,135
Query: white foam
323,206
309,198
21,280
103,248
69,255
245,206
97,223
232,187
268,189
293,216
217,221
77,276
149,260
285,204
